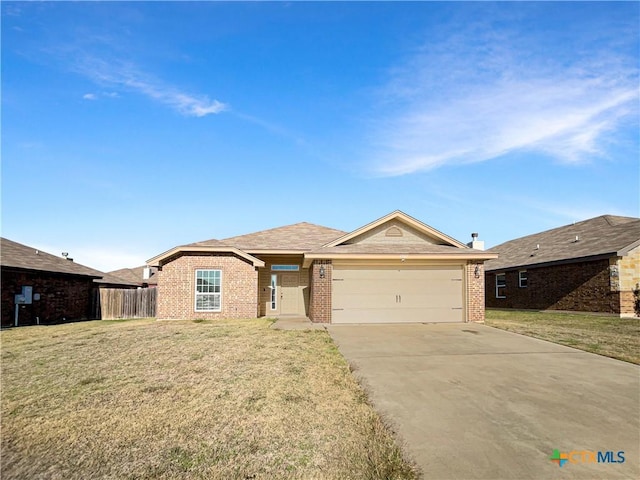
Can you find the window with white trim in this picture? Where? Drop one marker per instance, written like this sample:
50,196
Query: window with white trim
208,290
501,285
523,280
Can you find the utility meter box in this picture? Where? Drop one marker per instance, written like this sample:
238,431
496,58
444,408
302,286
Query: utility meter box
26,297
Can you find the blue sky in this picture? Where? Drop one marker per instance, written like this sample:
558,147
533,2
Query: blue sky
129,128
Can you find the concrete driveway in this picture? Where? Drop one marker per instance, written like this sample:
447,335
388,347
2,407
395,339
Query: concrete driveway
474,402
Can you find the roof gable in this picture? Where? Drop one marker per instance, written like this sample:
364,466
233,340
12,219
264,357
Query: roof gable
396,227
606,235
215,247
17,255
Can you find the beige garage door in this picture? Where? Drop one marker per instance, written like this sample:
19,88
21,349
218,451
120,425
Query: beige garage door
397,295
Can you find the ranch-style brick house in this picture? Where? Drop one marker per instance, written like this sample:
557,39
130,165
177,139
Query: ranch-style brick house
588,266
38,287
395,269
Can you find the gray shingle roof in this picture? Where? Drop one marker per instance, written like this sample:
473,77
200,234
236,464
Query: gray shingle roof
110,279
300,236
134,275
599,236
17,255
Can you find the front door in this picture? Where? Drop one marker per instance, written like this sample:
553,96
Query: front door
289,286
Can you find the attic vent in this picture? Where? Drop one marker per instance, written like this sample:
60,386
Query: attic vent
393,232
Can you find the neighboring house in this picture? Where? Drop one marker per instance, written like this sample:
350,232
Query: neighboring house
395,269
109,280
589,266
141,276
46,288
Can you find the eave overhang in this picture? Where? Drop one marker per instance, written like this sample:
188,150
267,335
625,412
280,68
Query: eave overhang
463,256
166,257
552,263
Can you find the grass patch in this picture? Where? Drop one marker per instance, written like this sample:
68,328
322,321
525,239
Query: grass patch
144,399
605,335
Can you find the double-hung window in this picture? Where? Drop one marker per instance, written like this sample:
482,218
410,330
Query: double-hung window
523,280
501,285
208,290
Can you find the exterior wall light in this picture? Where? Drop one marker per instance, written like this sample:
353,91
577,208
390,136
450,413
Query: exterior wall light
321,271
476,272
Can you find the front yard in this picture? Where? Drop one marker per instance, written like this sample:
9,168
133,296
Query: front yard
610,336
145,399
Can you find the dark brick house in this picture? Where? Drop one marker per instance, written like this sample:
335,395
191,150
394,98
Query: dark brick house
590,266
54,289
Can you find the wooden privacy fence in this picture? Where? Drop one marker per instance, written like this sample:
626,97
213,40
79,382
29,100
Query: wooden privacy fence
112,303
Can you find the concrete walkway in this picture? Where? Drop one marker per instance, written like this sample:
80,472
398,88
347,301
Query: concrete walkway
473,402
296,323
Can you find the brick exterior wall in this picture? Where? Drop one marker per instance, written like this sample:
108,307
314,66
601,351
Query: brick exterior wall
581,286
627,304
176,287
62,297
475,292
628,276
320,298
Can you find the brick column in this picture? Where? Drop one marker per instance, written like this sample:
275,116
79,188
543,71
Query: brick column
475,292
320,299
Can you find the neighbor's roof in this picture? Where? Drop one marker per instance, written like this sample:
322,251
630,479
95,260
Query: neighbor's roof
134,275
607,235
17,255
299,236
111,279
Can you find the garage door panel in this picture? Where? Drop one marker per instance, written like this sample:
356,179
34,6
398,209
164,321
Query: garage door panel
362,315
450,300
394,315
393,295
363,300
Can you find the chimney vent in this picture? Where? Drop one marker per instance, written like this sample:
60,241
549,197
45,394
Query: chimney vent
475,243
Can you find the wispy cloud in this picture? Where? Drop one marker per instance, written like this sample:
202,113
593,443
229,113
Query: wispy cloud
90,96
480,94
129,77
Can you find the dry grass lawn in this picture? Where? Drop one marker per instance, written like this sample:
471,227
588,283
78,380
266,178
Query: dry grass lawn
144,399
610,336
